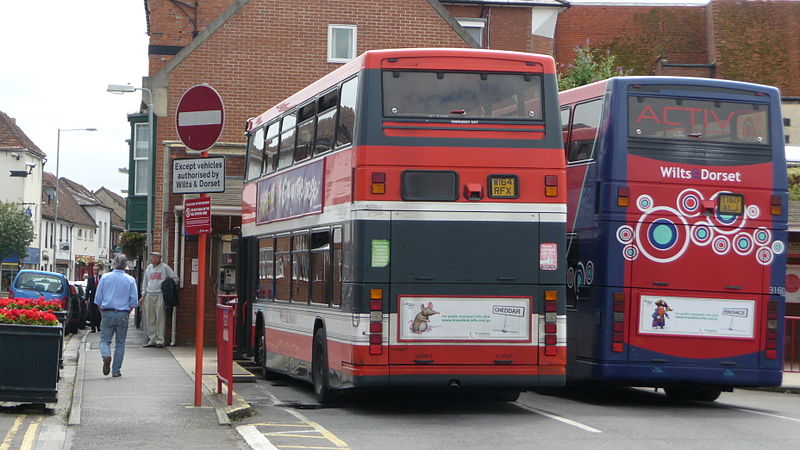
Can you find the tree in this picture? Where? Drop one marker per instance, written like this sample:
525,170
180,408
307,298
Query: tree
16,231
591,64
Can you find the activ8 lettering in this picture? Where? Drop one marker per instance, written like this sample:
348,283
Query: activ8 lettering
700,174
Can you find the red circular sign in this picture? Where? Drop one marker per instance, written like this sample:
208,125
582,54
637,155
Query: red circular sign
199,117
792,283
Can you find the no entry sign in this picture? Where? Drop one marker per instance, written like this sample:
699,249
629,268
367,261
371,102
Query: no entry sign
199,117
197,215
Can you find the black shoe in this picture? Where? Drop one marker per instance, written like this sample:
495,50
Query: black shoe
106,365
149,345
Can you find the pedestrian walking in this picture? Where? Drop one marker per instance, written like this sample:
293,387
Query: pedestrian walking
153,299
116,296
92,280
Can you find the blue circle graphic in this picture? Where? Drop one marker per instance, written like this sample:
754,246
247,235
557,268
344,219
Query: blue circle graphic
662,234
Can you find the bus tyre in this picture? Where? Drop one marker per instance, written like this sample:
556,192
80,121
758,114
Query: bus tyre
708,394
506,396
262,358
319,368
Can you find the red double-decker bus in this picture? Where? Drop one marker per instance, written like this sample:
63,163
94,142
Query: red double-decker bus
402,223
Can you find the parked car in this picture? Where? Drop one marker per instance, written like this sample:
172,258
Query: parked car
36,283
79,308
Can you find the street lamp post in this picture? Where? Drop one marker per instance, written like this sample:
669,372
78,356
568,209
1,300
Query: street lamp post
121,89
55,220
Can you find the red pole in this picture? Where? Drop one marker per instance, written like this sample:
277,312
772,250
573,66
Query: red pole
201,295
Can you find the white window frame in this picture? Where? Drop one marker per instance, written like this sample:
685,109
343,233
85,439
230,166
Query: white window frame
137,130
474,23
332,27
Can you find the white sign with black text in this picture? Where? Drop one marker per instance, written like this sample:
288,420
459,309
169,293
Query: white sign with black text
198,175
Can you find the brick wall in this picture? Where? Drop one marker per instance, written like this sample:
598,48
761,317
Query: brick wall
174,25
266,51
638,35
758,42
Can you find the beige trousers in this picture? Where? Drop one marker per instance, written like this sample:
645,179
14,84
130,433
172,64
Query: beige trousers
156,317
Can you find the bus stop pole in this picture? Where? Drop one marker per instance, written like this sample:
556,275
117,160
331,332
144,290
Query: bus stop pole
201,295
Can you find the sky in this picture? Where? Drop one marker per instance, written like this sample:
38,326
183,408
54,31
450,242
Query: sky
58,57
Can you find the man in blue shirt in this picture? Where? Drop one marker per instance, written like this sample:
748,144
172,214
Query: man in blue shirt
116,296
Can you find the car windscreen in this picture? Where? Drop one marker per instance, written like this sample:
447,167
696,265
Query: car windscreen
673,118
43,283
462,95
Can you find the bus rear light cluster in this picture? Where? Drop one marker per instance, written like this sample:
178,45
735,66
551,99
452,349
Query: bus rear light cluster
550,186
618,327
378,182
772,330
376,321
623,196
550,325
775,205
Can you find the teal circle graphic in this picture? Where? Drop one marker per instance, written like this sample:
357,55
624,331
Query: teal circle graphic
743,244
702,233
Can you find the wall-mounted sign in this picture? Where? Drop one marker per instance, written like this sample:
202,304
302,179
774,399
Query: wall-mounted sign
197,215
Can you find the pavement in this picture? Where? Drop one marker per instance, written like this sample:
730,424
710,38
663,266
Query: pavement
152,404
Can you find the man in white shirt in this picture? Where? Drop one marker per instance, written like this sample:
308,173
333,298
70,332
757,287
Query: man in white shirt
153,300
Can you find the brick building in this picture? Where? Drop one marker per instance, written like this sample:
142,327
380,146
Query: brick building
257,52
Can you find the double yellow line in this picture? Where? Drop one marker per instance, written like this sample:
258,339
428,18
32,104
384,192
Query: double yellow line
30,434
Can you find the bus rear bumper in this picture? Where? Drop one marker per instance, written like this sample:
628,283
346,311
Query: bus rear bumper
633,374
460,377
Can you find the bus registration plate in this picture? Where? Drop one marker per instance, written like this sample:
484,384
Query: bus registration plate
503,186
731,204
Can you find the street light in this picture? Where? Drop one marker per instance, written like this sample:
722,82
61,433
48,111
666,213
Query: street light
121,89
58,154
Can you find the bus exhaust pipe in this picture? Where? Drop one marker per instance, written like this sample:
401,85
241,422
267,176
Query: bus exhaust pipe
454,386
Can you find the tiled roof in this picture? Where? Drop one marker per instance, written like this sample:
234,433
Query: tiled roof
117,221
68,208
12,137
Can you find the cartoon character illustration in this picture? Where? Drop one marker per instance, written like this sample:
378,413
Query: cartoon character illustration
420,323
660,315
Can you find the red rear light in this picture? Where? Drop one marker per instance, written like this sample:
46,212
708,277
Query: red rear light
550,328
376,349
550,339
775,205
623,195
378,182
550,307
376,327
550,186
619,327
375,339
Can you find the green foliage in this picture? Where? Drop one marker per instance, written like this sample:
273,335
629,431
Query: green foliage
132,244
16,231
591,64
794,183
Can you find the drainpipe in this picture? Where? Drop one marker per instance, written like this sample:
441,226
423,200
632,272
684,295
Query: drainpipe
180,277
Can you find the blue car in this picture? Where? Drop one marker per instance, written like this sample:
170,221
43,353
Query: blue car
36,283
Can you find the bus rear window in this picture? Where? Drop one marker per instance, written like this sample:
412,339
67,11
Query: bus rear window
457,95
698,120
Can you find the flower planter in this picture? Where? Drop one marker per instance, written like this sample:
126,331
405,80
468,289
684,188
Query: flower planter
30,363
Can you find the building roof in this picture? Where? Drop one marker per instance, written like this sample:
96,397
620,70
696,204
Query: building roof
68,208
117,198
13,138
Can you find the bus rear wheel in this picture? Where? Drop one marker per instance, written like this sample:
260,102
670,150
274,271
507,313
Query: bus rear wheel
262,359
687,394
319,368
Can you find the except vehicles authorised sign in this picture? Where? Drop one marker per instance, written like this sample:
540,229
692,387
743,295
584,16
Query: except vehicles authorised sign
198,175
